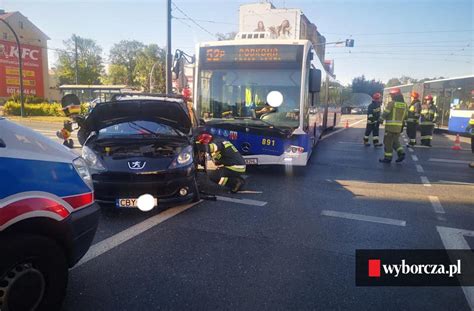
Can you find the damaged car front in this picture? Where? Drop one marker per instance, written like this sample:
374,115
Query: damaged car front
141,147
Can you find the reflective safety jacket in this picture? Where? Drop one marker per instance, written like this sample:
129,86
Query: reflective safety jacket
414,110
373,112
429,114
470,126
223,152
394,114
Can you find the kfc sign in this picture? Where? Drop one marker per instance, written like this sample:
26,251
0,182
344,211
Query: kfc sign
32,69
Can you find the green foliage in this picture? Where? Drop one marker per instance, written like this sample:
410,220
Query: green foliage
361,85
90,63
13,108
117,75
29,99
151,55
125,53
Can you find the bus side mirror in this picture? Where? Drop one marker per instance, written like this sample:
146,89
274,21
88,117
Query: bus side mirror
314,80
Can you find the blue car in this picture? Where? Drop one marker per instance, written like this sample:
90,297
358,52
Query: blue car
48,218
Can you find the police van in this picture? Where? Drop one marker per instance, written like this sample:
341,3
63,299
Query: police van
48,218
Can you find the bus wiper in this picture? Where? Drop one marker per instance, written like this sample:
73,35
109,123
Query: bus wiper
269,124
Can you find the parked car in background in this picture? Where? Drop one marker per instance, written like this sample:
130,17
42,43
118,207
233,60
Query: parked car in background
48,218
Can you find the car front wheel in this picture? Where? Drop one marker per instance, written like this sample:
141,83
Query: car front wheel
33,273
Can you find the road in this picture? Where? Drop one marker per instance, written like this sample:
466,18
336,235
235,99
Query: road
290,244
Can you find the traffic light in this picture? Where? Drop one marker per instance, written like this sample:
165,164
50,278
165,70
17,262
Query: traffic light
350,43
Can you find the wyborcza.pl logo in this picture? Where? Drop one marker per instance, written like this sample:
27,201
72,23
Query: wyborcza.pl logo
414,268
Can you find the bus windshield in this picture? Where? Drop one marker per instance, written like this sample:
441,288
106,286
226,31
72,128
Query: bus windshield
242,93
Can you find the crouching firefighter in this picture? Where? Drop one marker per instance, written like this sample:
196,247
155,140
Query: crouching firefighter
394,115
230,163
428,117
413,117
373,121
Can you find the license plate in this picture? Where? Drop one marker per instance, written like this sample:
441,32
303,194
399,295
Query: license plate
251,161
130,203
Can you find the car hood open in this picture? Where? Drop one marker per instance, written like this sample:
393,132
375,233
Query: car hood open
171,112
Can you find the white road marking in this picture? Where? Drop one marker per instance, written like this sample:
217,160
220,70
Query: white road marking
250,192
419,168
425,181
127,234
241,201
381,220
448,161
456,183
45,131
414,157
438,208
411,150
453,238
341,129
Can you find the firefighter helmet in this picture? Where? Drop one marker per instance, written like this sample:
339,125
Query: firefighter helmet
428,97
415,95
204,138
395,91
377,96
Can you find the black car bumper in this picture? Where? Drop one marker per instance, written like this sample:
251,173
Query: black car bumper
83,224
163,185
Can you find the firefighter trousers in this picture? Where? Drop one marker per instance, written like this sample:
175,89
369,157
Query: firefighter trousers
224,176
391,142
372,128
411,132
426,130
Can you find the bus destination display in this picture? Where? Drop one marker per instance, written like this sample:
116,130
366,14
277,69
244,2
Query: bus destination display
249,54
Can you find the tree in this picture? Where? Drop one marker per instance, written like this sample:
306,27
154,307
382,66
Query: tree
151,55
90,63
117,74
393,82
125,53
361,85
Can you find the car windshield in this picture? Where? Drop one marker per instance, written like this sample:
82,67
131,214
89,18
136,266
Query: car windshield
138,128
242,94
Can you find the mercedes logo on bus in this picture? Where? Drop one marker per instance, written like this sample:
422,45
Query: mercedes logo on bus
245,147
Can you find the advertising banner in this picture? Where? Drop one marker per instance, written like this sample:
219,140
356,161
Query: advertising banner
32,69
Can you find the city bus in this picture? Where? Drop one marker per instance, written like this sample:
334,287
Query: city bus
272,99
454,98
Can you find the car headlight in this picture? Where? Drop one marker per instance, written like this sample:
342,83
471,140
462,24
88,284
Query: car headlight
185,157
81,168
92,159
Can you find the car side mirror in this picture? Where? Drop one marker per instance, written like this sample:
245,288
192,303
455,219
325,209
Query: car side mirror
314,80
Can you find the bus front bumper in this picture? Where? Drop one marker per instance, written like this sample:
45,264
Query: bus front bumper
300,159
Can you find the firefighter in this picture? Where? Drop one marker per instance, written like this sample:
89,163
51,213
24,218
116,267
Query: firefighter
373,121
470,128
229,162
428,116
413,118
394,115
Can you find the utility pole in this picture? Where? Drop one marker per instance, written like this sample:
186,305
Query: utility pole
20,67
76,60
169,86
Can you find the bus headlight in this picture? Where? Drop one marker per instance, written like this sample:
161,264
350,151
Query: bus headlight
294,150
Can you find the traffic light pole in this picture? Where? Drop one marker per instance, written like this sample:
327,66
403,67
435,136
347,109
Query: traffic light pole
20,68
169,86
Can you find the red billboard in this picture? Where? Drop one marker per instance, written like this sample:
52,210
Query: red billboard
32,69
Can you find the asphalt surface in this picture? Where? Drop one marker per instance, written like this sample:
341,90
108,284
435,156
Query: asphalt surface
282,247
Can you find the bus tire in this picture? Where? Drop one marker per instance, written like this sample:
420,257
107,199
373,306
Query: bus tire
33,273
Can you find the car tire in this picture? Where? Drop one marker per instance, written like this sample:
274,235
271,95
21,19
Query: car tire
81,136
33,273
196,194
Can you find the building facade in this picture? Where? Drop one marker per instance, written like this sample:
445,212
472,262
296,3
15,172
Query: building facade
34,54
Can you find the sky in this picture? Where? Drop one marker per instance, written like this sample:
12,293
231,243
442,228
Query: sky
416,38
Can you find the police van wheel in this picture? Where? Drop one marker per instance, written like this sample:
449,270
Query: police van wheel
33,273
